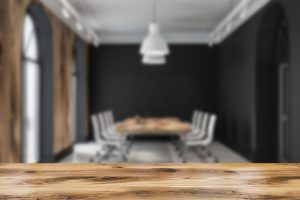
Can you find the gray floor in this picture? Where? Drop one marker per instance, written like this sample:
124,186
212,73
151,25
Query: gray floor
162,152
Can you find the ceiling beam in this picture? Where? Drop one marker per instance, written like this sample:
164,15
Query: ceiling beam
92,37
238,16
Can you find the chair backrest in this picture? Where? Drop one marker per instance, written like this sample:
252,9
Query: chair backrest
101,120
199,119
108,122
103,126
96,129
194,117
111,117
204,122
211,128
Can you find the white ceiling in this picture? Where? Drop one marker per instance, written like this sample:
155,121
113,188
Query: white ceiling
181,21
118,20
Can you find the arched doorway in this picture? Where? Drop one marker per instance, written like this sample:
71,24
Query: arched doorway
37,84
272,85
31,92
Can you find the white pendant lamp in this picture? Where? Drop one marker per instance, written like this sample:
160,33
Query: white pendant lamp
154,43
154,60
154,47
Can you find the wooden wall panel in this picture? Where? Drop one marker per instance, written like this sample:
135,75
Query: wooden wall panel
11,23
63,55
10,79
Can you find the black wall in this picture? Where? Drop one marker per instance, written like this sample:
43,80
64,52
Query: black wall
81,90
119,81
293,17
238,85
237,89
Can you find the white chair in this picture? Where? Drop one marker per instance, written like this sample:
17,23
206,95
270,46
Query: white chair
107,128
194,118
111,119
91,150
195,125
198,119
111,125
199,130
86,152
111,132
110,122
202,142
110,145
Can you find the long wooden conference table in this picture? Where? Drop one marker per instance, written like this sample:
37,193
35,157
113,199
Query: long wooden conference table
153,126
153,181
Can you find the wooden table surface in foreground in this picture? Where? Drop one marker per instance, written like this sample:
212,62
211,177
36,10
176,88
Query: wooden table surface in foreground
154,181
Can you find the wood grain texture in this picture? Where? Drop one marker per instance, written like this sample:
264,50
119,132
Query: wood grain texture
63,39
160,181
11,24
152,125
12,14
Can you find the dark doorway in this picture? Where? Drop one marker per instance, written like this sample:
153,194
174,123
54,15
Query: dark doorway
79,91
272,83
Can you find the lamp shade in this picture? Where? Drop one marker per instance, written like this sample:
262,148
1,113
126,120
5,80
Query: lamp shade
154,44
154,59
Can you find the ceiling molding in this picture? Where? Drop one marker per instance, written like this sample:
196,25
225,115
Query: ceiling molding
239,15
72,21
178,38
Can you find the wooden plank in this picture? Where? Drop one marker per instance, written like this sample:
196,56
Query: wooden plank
12,14
152,125
11,24
63,39
154,181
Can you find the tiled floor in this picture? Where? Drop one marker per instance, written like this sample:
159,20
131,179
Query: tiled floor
162,152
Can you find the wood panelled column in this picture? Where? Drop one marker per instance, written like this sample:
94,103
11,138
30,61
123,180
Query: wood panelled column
63,39
11,24
12,14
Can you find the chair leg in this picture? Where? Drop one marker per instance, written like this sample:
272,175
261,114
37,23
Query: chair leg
184,154
178,146
106,154
181,151
129,146
93,159
122,150
206,155
201,152
124,158
211,158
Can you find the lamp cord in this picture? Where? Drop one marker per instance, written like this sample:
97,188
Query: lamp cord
154,9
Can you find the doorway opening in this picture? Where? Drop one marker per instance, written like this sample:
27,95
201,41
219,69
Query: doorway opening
74,100
37,87
272,86
79,93
31,92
